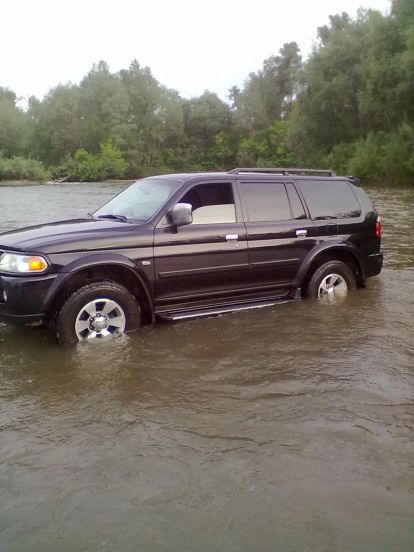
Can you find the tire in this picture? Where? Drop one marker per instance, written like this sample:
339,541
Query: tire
101,309
331,282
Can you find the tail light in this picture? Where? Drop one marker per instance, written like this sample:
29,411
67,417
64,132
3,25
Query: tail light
378,227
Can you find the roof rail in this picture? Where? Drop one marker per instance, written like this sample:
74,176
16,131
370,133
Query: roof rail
282,170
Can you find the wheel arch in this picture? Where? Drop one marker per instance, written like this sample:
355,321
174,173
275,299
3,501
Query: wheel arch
104,270
348,254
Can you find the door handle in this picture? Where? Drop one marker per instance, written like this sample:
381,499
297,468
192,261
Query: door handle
230,237
302,233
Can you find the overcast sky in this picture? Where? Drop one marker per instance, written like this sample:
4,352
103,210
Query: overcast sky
189,45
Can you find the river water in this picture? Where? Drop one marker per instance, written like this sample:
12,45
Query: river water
280,429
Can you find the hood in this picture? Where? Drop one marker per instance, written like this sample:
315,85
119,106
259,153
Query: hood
76,235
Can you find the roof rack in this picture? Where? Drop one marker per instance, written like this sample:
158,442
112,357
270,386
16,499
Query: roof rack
282,170
355,179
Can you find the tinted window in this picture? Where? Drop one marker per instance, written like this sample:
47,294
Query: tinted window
266,201
330,199
298,212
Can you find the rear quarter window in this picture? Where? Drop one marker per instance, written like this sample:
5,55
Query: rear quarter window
330,199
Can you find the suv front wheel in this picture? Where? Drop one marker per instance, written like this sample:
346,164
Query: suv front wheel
97,310
331,282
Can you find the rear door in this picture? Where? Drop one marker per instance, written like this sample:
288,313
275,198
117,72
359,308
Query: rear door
279,231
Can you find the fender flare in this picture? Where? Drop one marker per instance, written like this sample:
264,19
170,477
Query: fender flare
96,260
322,248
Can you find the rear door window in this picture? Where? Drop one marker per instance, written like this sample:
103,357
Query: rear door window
330,199
265,201
298,212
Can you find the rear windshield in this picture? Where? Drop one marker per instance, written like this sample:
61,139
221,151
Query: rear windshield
330,199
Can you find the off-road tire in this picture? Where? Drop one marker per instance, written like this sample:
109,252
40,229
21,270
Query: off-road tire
66,318
330,267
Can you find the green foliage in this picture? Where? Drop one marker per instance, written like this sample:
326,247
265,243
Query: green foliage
366,161
338,158
349,106
268,94
13,125
379,156
357,92
223,151
268,148
19,168
108,163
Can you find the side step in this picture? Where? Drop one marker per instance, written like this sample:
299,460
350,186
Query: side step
222,309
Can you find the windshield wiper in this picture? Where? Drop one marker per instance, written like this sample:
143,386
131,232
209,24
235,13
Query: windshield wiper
114,217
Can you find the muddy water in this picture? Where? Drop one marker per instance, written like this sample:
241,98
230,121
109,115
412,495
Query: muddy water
289,428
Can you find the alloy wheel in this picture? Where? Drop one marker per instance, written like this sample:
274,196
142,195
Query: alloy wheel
100,318
332,287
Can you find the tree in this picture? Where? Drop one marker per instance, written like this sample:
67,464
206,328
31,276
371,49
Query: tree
268,95
103,107
55,124
358,80
13,125
204,118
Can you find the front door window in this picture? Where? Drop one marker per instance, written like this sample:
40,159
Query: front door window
211,203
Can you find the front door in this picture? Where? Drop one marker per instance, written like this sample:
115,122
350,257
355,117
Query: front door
207,259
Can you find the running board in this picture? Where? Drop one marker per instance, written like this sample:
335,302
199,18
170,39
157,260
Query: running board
196,313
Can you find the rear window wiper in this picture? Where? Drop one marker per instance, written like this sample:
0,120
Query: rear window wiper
114,217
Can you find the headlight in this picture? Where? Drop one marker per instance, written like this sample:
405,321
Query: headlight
11,262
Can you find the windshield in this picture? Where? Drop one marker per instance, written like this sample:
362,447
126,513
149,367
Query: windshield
141,200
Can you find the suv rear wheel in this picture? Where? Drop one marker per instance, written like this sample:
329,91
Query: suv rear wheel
96,311
331,282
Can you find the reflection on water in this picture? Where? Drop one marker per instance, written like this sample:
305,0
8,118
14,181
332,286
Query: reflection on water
288,428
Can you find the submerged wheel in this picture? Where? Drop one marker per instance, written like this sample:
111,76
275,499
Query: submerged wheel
331,282
95,311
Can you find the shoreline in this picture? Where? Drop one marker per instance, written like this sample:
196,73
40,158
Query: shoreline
17,183
126,181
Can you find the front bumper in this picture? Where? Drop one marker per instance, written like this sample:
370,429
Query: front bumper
25,298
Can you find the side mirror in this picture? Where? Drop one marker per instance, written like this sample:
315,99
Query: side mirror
182,214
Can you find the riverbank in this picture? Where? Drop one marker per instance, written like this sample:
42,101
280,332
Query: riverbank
14,183
115,181
17,183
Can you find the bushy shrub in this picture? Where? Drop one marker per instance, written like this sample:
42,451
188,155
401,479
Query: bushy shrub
269,148
112,163
62,170
367,159
385,156
19,168
338,158
89,167
398,155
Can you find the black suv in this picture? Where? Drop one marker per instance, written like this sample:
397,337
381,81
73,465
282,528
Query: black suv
183,245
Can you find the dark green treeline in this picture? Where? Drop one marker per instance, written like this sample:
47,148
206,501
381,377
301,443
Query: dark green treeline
349,107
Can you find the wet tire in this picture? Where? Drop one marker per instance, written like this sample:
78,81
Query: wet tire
331,281
98,310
